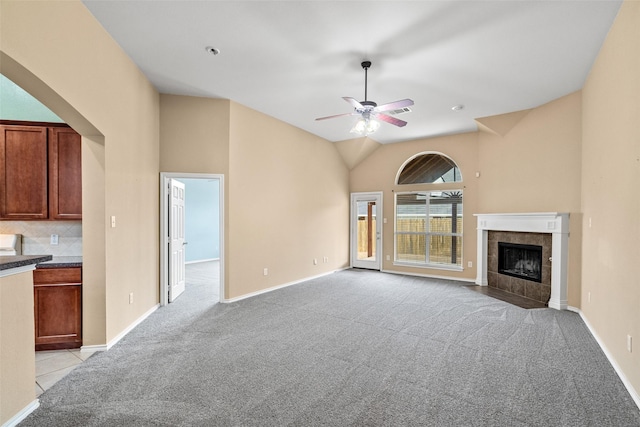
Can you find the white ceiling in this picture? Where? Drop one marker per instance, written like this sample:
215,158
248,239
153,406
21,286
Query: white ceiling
295,60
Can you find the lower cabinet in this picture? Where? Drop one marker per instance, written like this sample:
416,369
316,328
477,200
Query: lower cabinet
58,308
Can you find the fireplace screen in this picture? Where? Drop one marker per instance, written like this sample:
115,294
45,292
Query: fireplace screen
523,261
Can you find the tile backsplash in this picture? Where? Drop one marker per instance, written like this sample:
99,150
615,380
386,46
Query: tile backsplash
36,236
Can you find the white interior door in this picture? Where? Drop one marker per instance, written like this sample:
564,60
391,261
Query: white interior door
366,230
176,239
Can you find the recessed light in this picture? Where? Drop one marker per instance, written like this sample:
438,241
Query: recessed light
457,107
212,50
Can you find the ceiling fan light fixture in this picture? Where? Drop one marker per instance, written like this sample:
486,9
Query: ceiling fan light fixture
365,126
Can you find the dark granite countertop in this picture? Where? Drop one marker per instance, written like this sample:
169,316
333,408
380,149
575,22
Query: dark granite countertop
62,262
14,261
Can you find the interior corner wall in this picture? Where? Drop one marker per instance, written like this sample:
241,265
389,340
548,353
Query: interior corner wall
536,167
611,195
116,110
378,173
288,204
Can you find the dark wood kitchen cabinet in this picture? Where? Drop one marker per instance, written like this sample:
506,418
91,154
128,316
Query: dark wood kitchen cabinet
40,173
23,172
65,174
57,296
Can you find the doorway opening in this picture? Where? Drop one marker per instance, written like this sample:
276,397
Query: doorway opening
366,230
197,255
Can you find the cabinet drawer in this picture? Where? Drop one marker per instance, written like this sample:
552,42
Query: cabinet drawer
52,276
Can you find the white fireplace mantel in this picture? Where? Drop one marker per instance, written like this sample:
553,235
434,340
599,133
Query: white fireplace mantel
557,224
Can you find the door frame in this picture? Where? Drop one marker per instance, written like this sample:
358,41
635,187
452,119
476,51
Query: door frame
164,229
353,230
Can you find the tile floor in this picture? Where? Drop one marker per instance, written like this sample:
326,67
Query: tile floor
52,366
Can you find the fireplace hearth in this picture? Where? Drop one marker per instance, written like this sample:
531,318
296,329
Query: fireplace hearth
522,261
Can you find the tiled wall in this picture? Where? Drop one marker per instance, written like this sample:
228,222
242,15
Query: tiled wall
36,236
526,288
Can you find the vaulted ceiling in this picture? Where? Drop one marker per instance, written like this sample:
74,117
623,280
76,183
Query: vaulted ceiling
295,60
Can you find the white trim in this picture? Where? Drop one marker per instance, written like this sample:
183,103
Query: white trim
376,196
129,328
202,260
164,180
93,348
275,288
445,267
24,413
17,270
431,276
632,392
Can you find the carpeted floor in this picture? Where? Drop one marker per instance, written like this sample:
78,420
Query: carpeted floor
353,348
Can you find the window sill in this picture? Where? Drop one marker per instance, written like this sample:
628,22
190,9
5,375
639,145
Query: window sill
429,266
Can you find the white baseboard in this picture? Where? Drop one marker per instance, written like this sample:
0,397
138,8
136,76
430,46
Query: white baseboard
202,260
634,394
24,413
264,291
431,276
129,328
114,341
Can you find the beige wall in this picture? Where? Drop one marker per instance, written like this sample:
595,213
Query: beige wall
378,173
194,138
611,192
288,203
17,358
286,195
535,167
57,51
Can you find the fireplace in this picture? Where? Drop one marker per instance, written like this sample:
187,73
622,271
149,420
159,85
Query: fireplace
522,261
547,229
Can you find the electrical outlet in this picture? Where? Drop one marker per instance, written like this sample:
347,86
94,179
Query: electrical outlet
629,348
131,298
265,272
54,239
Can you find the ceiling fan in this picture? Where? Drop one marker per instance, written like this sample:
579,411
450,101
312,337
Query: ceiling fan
370,112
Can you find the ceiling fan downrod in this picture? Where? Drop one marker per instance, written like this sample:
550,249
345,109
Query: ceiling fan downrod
365,65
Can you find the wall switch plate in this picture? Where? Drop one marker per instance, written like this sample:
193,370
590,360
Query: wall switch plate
470,264
388,257
54,239
315,261
588,296
131,298
113,221
265,272
629,348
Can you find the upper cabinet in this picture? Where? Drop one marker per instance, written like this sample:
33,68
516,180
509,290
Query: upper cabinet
65,174
40,173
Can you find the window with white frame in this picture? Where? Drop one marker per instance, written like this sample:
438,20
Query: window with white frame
428,228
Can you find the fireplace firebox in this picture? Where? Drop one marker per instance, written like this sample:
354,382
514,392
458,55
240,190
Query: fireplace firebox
522,261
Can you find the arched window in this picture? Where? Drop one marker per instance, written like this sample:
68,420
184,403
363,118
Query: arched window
428,231
429,168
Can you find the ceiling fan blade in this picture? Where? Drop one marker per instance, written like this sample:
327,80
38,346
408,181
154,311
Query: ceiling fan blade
353,102
389,119
336,115
394,105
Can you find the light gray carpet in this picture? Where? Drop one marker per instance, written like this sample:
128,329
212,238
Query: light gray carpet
352,348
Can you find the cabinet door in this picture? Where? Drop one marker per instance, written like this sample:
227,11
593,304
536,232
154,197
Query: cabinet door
57,297
23,172
65,174
58,317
